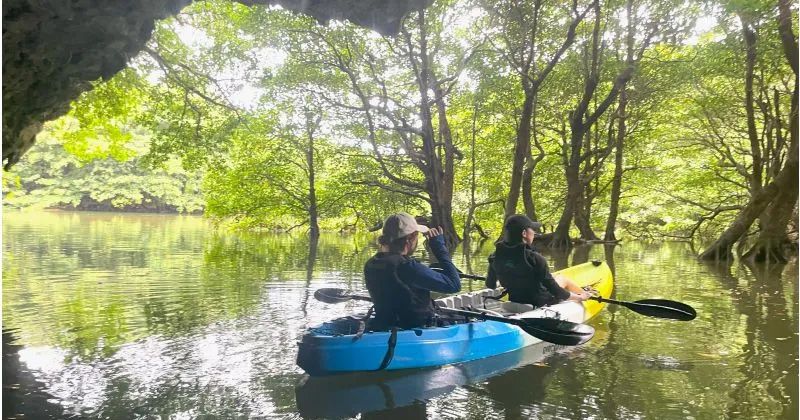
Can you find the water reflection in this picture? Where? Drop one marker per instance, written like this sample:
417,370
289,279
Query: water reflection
608,254
770,332
392,393
120,316
313,244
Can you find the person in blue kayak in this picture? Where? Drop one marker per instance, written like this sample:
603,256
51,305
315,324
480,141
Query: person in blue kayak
400,286
524,272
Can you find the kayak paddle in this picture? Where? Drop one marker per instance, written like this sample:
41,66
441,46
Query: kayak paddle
552,330
656,308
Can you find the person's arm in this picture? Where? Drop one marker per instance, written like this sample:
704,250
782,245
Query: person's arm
421,276
491,276
548,280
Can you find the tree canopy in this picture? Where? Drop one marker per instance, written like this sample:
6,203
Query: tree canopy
633,118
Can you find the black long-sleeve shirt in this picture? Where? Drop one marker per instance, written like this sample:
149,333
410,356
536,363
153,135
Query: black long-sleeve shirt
525,274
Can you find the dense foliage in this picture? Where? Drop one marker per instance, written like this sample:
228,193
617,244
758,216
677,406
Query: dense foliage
50,175
638,118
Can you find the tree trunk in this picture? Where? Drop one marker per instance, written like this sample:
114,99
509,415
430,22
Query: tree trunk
581,254
438,179
442,214
788,39
446,175
581,121
530,167
313,211
787,178
590,169
531,81
527,186
521,148
721,248
622,132
583,215
780,194
756,173
441,207
579,124
560,238
472,183
772,241
616,183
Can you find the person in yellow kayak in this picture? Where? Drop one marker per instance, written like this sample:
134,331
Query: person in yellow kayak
400,286
524,272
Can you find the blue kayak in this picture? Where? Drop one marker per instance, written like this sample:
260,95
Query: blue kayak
336,347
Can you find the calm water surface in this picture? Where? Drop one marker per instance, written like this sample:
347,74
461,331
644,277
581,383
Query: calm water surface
150,316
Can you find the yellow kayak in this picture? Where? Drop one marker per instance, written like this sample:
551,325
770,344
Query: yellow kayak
595,274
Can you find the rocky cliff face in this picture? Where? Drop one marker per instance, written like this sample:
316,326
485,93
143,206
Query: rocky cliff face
53,49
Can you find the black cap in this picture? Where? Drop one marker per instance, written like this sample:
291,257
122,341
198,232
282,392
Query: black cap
519,222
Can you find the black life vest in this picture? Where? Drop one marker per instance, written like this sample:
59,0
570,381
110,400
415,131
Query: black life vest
522,271
396,302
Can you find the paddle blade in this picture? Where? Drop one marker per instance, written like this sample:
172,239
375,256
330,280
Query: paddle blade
557,331
664,308
334,295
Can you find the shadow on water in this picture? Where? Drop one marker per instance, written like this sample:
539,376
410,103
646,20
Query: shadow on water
22,393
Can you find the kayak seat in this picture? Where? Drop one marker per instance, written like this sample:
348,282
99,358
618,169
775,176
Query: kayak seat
516,307
467,300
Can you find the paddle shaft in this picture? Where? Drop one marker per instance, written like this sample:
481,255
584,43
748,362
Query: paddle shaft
614,301
481,315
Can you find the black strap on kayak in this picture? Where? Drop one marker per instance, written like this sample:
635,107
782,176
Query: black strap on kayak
362,324
390,351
